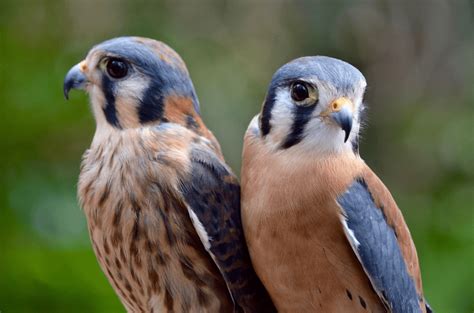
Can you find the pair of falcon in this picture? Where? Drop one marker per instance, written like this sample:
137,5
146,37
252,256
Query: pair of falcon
312,229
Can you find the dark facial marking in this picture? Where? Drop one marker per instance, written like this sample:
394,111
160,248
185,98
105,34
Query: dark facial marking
151,105
301,116
110,111
267,112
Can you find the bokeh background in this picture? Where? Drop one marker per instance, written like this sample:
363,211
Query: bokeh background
418,57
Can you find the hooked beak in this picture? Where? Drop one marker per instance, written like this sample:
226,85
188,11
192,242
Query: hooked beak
75,79
341,113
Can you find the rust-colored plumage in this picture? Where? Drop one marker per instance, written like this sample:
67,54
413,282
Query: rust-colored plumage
163,208
324,233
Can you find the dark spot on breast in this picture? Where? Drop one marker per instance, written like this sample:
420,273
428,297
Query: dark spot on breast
136,226
117,263
106,246
154,280
161,257
128,287
138,261
169,233
168,300
105,194
349,294
122,255
116,238
362,302
117,214
148,246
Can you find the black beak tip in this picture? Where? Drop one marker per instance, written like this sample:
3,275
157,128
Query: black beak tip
346,135
67,86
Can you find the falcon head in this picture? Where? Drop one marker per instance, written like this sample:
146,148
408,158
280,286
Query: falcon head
134,81
315,104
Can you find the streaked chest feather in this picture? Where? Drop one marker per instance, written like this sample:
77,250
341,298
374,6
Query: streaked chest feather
139,226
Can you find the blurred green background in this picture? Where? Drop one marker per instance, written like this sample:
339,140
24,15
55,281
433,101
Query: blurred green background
418,57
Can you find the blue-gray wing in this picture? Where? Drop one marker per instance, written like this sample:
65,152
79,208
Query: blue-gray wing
376,247
212,193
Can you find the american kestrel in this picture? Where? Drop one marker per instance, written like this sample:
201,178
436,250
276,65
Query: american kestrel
162,206
324,233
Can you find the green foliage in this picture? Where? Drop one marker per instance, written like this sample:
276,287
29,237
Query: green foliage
417,57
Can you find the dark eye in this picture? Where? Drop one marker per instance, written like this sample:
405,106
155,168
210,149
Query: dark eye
299,91
117,68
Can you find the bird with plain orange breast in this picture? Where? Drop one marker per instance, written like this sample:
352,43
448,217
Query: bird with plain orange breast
324,233
162,206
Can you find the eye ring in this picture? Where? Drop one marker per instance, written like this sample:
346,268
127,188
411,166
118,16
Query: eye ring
299,91
116,68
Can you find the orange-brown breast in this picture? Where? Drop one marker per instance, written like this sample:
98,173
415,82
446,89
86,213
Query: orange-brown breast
139,227
294,232
293,228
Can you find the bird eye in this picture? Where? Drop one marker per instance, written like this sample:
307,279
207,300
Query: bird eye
117,68
304,93
299,91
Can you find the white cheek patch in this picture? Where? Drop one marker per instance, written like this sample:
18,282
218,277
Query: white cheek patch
132,88
282,117
128,95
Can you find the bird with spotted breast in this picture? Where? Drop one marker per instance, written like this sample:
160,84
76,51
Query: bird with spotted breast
324,233
162,206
